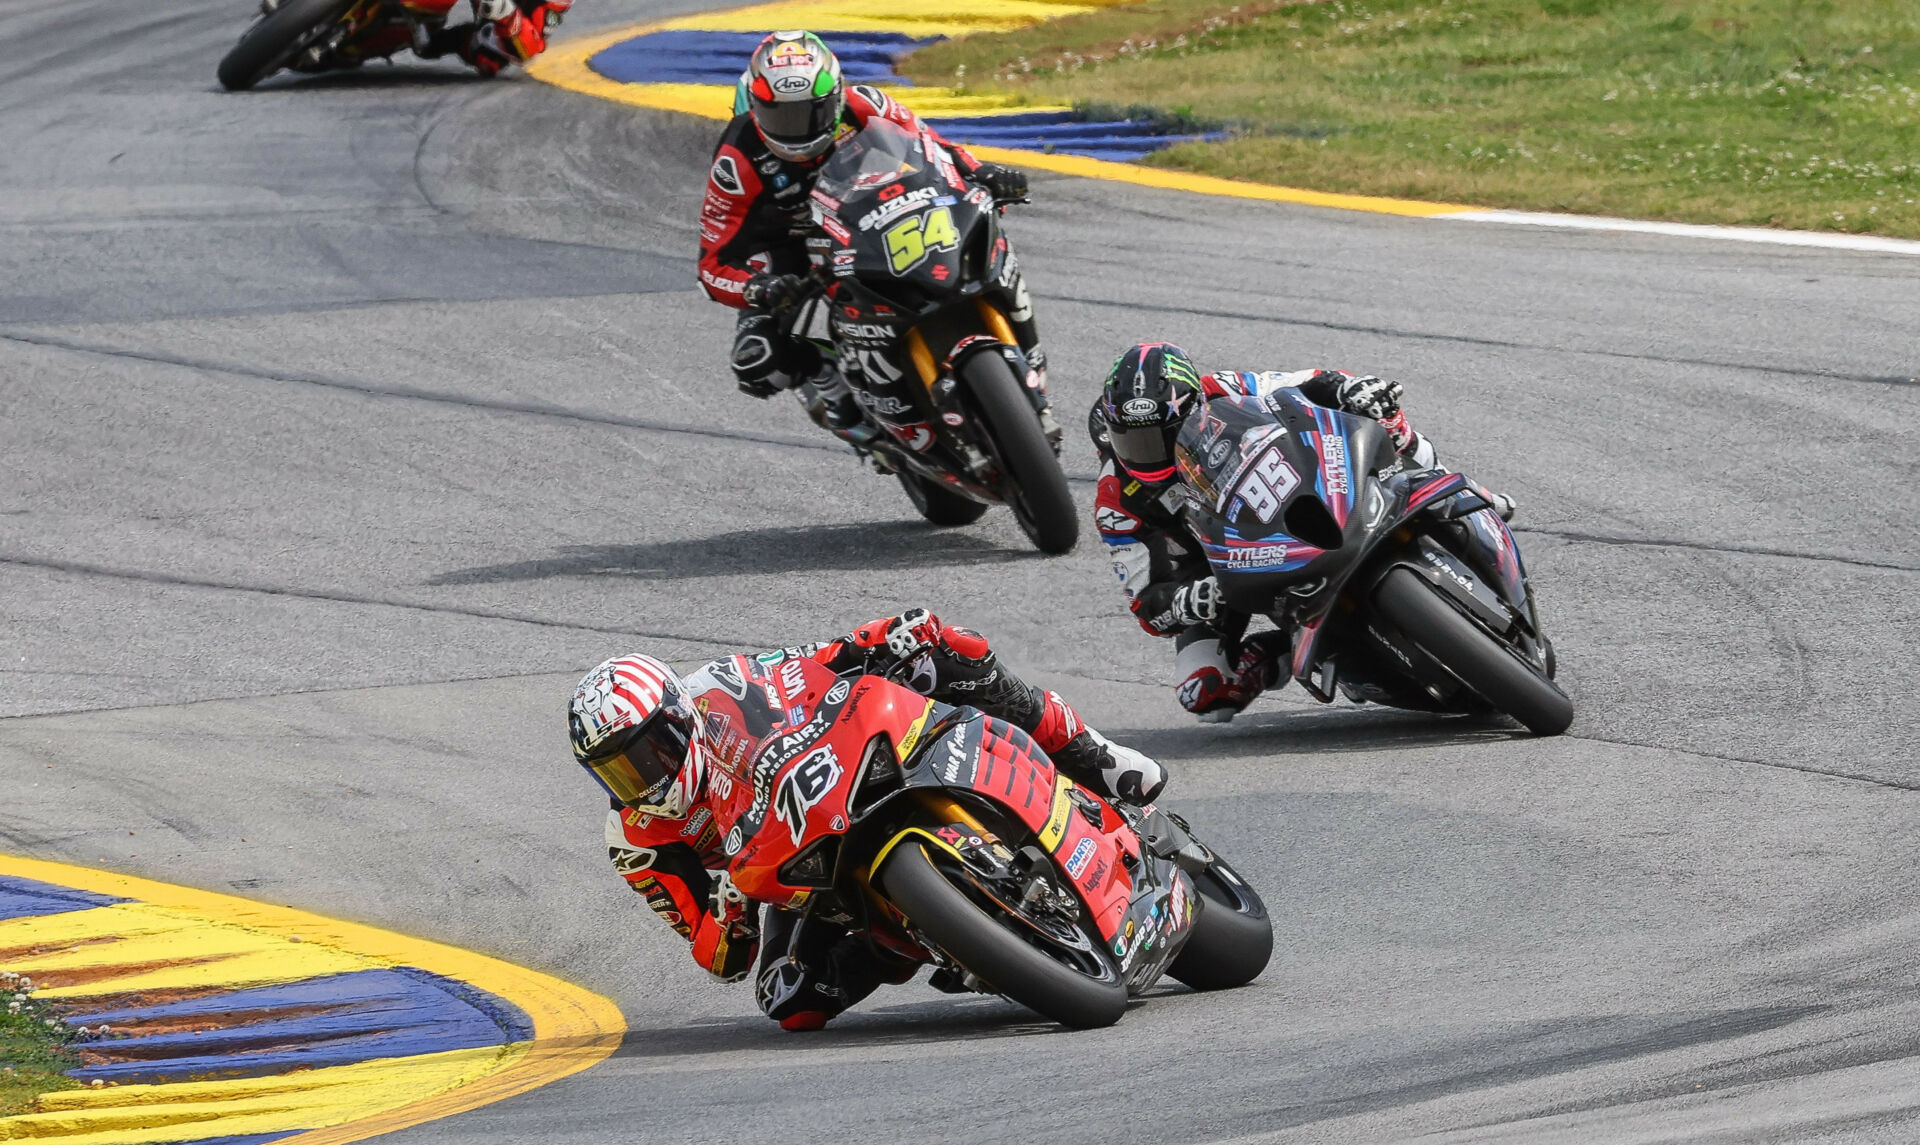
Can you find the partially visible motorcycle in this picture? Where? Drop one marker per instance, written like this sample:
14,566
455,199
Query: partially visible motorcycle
328,35
944,836
1398,585
914,274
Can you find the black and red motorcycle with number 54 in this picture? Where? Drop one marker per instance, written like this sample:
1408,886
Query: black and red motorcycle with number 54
946,837
918,282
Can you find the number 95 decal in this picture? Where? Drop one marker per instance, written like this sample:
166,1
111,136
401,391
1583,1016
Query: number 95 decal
910,240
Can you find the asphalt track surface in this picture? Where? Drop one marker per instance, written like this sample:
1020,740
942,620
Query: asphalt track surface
342,424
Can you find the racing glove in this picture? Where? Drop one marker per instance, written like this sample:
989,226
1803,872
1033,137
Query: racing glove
1197,603
762,388
726,940
1003,183
1369,396
773,292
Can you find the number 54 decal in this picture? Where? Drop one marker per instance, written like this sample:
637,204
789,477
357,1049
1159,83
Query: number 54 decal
910,240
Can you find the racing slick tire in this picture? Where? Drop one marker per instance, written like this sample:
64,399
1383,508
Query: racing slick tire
276,38
940,506
994,953
1039,496
1232,937
1481,662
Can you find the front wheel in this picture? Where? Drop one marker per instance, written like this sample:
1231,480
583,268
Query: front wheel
939,505
994,953
1481,662
1039,496
1232,937
276,38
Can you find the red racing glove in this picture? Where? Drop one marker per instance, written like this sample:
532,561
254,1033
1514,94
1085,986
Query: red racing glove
726,941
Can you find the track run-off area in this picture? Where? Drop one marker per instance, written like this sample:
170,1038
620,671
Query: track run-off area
345,422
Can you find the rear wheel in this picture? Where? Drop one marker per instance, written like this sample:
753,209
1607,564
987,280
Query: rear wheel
1039,496
276,38
1009,963
938,505
1232,936
1481,662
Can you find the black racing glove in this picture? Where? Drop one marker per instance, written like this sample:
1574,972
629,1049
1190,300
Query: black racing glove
1369,396
758,387
1003,183
773,292
1197,603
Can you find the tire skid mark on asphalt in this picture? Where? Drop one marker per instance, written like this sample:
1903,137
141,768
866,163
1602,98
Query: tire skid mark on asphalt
414,393
1803,769
1495,343
1707,547
236,1019
79,568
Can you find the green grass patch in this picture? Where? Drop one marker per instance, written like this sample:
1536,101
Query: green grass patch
33,1055
1790,113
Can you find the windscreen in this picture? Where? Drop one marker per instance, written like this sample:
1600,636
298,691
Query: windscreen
880,153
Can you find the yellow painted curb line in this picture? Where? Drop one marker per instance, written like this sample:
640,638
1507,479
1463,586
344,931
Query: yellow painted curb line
573,1028
565,66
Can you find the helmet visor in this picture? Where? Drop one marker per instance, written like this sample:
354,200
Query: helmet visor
637,765
796,122
1146,451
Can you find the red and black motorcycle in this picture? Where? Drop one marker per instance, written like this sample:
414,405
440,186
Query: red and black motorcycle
945,836
921,278
327,35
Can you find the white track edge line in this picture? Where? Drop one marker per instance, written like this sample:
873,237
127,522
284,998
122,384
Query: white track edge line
1688,230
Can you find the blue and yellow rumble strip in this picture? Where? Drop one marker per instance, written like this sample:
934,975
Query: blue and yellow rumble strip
230,1021
692,63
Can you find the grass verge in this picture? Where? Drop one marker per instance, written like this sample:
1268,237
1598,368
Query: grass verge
1789,113
33,1055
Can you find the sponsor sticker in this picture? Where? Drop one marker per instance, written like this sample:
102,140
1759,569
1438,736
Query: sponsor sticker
1082,855
726,176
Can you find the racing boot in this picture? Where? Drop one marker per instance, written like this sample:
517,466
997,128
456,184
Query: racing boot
829,401
1114,769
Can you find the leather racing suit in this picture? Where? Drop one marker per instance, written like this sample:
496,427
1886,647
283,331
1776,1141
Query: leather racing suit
503,32
811,970
756,218
1155,555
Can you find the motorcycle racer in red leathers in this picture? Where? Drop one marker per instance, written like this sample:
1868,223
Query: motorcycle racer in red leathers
502,32
1150,392
792,110
667,749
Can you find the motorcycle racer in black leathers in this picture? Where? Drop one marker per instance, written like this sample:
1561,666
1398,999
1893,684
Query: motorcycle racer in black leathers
1148,395
792,110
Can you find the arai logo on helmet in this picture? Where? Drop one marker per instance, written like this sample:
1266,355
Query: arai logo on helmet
1139,409
791,85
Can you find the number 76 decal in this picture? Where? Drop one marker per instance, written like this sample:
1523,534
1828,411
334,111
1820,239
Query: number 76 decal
909,241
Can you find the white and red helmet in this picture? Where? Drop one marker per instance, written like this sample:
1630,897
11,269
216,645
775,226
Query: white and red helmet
635,730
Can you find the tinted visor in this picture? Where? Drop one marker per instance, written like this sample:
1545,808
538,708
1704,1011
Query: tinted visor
798,121
637,765
1146,451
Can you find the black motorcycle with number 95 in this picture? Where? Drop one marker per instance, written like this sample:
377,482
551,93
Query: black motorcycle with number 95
916,282
1398,585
